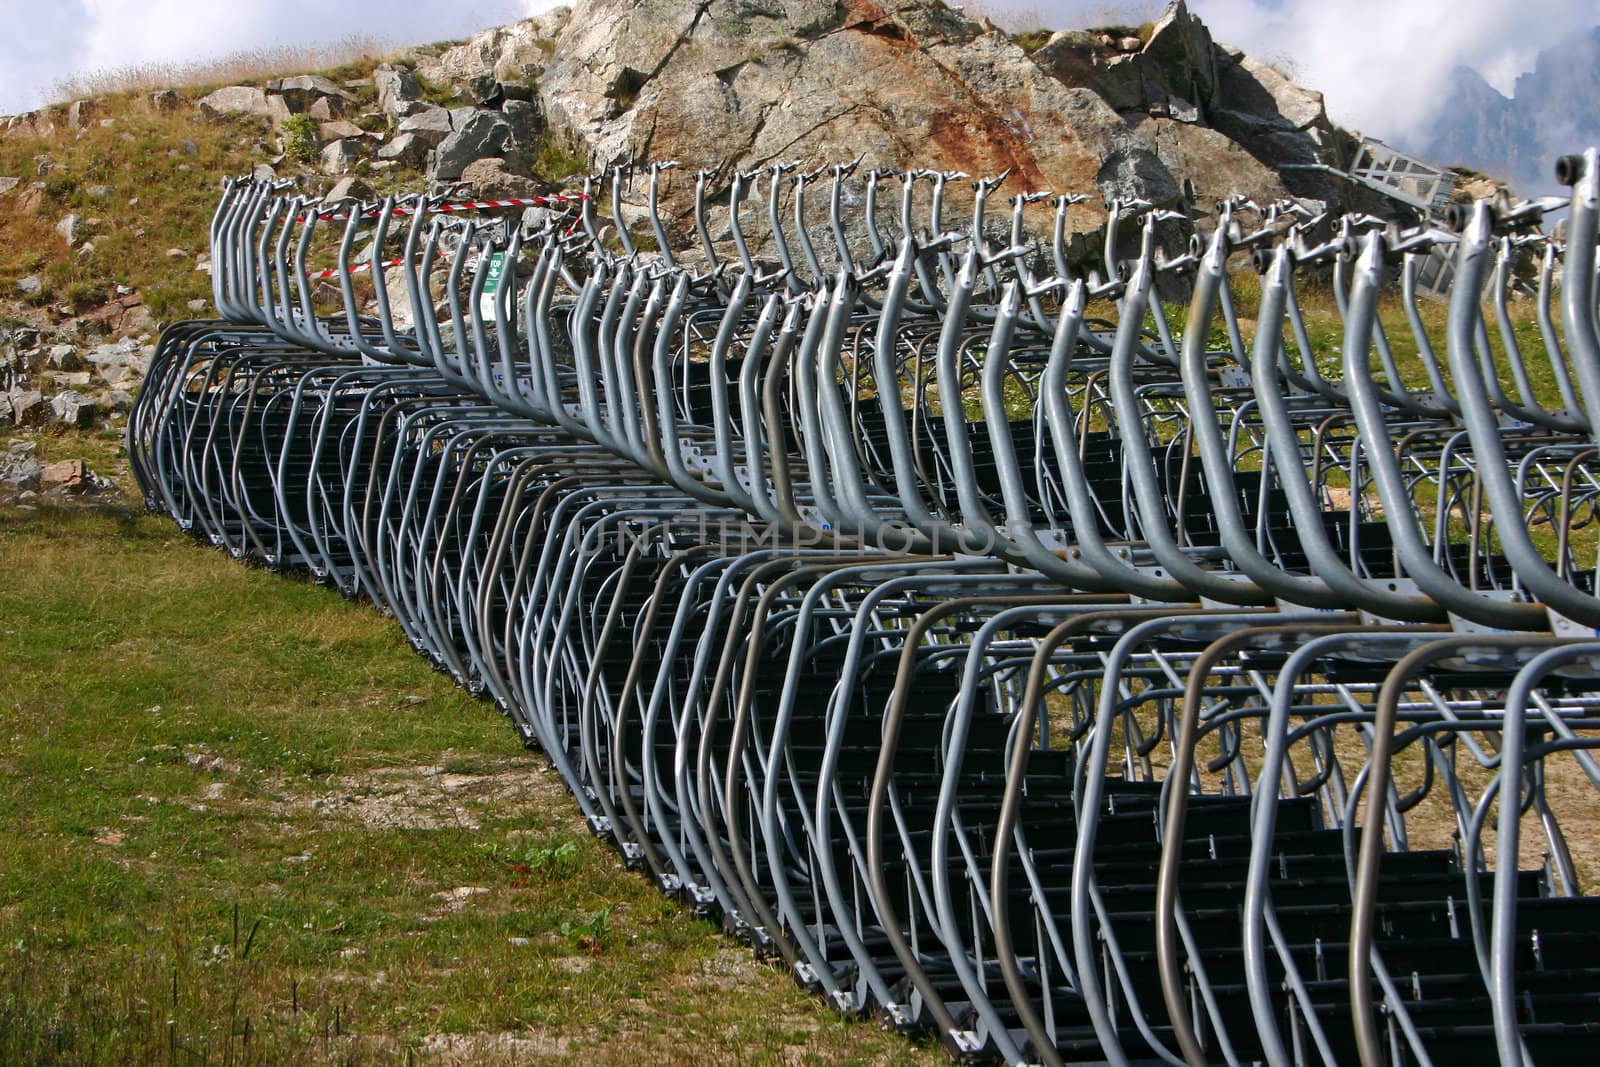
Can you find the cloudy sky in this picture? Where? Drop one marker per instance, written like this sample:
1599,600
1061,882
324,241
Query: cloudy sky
58,39
1380,62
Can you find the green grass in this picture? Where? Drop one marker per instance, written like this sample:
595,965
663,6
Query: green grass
299,133
1031,41
163,171
243,823
553,163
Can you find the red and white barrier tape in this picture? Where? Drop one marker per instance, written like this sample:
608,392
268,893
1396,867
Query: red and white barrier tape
553,200
359,268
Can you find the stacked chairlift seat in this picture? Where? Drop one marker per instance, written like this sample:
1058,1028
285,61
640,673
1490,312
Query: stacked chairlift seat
1011,652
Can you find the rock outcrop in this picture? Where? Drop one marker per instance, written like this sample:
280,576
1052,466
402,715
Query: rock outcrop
1171,117
515,53
740,84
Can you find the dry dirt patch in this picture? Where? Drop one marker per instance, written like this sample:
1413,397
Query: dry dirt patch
509,1047
430,797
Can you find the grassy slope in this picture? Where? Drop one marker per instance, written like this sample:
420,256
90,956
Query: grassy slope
169,162
230,803
164,170
176,190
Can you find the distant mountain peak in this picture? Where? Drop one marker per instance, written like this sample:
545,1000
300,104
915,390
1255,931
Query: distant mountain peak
1518,138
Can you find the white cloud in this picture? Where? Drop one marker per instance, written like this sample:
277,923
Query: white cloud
60,39
1382,64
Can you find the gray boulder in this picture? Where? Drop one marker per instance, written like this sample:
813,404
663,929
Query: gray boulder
491,180
526,120
242,100
1257,104
901,81
332,131
70,228
116,374
409,149
18,471
398,89
477,136
1180,43
28,407
1137,173
300,92
79,114
72,408
736,83
430,125
63,358
125,353
348,187
339,156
